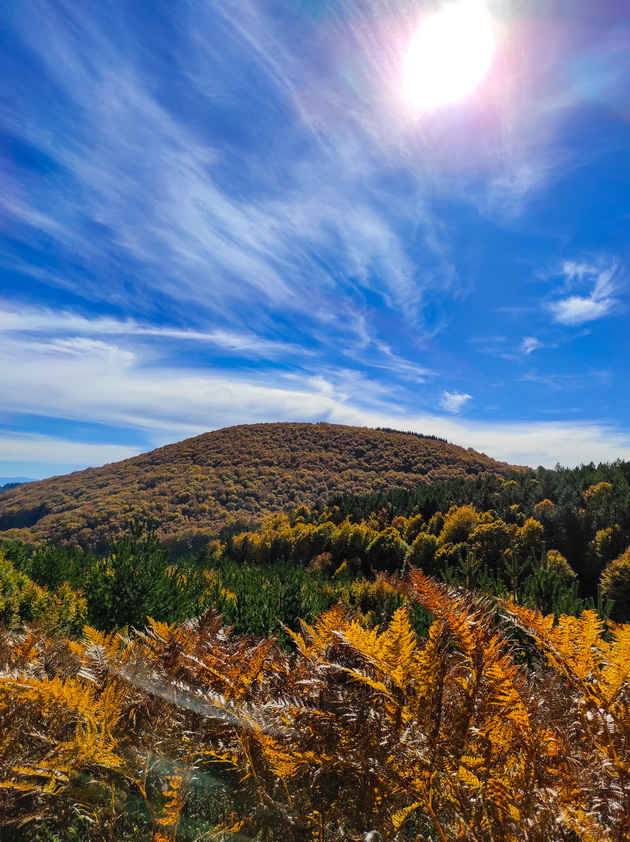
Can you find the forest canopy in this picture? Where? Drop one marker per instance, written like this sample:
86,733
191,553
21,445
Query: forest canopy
238,474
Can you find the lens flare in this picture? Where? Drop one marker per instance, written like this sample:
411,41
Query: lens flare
449,55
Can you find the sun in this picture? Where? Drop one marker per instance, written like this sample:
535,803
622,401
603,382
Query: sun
449,55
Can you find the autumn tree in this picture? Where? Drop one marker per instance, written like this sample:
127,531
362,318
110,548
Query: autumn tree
458,524
615,585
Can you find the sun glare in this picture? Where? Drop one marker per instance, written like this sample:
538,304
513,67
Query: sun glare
449,55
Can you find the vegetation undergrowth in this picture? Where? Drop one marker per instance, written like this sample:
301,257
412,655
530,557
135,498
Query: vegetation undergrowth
190,732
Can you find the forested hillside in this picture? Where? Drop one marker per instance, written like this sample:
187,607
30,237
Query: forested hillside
307,680
238,473
553,540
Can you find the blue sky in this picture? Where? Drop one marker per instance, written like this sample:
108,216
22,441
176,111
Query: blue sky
219,213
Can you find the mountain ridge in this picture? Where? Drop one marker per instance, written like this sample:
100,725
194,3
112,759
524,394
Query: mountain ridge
239,473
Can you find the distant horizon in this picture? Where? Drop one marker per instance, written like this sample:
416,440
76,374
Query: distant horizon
395,214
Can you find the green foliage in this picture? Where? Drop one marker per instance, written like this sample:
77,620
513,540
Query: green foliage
260,600
582,513
52,565
491,540
558,562
387,551
605,546
551,587
136,581
502,525
422,553
21,600
529,537
62,611
266,600
464,567
449,555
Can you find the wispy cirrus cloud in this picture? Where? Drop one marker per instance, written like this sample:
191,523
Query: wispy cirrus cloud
59,453
223,227
92,378
141,186
225,212
202,403
52,323
602,299
570,382
578,309
504,348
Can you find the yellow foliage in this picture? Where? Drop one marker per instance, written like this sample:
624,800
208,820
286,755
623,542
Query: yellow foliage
598,492
459,522
615,584
529,536
448,737
544,507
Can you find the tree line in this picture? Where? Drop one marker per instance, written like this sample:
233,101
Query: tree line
553,540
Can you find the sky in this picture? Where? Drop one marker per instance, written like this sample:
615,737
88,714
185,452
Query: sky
218,213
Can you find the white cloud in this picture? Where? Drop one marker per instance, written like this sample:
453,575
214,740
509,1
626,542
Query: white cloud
107,385
454,401
508,192
585,379
96,381
91,380
567,443
547,444
599,302
50,322
50,450
530,343
176,207
574,270
577,310
154,215
391,361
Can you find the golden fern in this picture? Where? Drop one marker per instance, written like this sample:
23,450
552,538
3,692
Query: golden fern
311,641
445,738
174,793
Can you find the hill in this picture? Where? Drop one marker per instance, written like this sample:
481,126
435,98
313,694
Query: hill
7,483
235,474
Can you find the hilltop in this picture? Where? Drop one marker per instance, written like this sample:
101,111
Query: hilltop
240,473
